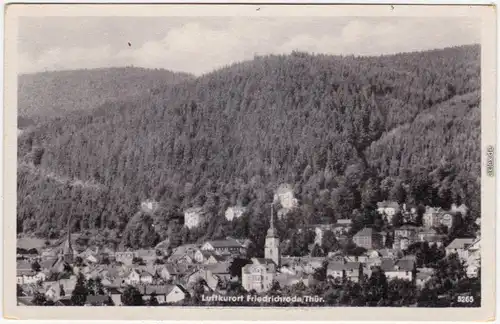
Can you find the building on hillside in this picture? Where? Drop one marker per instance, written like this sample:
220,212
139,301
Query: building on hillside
184,250
399,269
147,255
164,247
234,212
447,219
62,287
460,246
211,280
221,270
201,256
409,213
388,209
430,217
462,209
28,276
368,238
425,235
164,293
194,217
342,226
169,272
352,271
258,275
116,296
149,206
422,278
474,253
319,230
286,197
408,231
215,258
405,236
125,257
228,246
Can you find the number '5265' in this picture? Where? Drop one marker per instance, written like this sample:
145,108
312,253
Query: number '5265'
465,299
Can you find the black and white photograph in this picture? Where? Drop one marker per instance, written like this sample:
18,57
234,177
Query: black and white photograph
250,161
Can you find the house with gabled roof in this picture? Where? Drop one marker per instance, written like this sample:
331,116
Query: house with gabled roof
201,256
125,257
184,253
215,258
228,246
164,293
61,287
346,270
148,255
368,238
422,278
335,270
219,269
210,279
400,269
461,247
169,272
258,275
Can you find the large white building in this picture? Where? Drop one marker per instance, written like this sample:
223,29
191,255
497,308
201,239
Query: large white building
388,209
286,196
193,217
234,212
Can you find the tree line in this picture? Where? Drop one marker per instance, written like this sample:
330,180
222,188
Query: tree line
346,132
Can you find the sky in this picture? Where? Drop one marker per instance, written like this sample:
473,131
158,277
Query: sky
201,44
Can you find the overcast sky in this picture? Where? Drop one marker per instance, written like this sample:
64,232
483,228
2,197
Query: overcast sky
201,44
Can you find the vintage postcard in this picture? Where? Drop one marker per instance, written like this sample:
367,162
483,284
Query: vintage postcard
264,162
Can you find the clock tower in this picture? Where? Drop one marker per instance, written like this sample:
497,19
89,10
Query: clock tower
272,245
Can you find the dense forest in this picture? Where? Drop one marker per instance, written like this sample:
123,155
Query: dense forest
51,94
345,131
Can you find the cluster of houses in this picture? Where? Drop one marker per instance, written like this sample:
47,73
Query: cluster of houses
432,216
170,278
172,275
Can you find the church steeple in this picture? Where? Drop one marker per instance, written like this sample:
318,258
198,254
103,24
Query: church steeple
272,245
68,251
271,232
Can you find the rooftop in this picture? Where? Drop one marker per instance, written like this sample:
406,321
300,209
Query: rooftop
158,289
460,243
229,243
387,204
367,231
399,265
97,299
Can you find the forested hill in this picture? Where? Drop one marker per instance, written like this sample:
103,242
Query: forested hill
55,93
344,131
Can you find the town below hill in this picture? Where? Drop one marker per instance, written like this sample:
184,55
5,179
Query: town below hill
407,264
346,180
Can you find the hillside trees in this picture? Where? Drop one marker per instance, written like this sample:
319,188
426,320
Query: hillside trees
345,131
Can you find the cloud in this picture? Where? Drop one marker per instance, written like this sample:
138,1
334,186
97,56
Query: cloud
199,46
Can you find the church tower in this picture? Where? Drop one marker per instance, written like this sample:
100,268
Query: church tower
272,245
68,252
